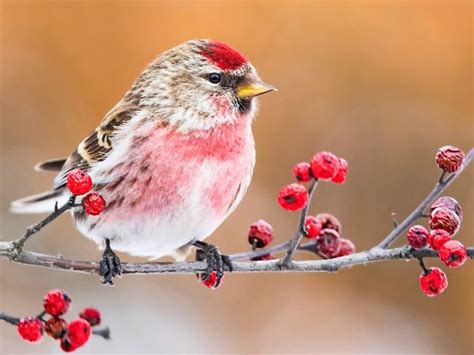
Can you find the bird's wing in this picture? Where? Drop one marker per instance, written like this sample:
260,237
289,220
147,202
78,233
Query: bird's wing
98,145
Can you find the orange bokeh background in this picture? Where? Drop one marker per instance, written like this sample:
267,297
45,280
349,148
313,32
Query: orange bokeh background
382,83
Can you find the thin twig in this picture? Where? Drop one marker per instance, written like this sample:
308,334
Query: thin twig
418,212
35,228
9,319
300,230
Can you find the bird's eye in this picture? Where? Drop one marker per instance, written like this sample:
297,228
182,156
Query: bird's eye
215,78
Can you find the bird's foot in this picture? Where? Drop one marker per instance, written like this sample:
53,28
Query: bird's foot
216,262
110,265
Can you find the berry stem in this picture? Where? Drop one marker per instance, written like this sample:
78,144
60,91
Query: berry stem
419,211
102,332
9,319
300,230
422,265
35,228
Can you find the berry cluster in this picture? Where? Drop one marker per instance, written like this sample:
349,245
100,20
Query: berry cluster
72,335
445,217
323,166
323,229
80,183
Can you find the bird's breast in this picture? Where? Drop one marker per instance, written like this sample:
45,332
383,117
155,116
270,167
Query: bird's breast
167,172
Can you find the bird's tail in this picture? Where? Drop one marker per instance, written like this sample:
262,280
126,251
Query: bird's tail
40,203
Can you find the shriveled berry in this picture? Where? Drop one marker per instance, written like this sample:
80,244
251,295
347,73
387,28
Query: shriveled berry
211,281
31,329
312,227
444,218
329,222
449,158
94,204
346,247
433,282
340,177
293,197
56,302
78,182
79,332
67,346
324,165
447,202
260,233
302,172
417,237
437,238
453,253
91,315
328,243
56,327
265,257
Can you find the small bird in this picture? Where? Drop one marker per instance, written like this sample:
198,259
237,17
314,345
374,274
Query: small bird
173,158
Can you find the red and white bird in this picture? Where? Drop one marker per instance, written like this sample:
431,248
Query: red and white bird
172,159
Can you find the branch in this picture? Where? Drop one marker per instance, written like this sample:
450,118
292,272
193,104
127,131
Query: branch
442,184
14,251
300,229
60,263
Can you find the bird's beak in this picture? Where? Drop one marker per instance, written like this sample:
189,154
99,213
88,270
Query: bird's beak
251,89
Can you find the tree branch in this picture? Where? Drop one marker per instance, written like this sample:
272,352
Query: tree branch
300,229
442,184
13,250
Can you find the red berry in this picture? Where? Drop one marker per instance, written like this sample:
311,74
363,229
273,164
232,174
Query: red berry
260,233
265,257
437,238
94,204
79,331
211,281
56,302
346,247
453,253
444,218
31,329
449,203
78,182
328,243
417,237
91,315
312,227
433,282
324,165
67,346
302,172
340,177
56,327
329,222
293,197
449,158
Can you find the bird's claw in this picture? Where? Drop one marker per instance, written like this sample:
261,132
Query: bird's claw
109,266
215,261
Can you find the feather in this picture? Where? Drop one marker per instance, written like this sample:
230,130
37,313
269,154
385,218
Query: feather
40,203
50,165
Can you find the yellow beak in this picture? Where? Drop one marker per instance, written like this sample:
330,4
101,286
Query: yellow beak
252,89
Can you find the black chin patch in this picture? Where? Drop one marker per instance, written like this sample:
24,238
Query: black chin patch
244,105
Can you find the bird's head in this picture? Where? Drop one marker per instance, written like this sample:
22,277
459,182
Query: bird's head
199,85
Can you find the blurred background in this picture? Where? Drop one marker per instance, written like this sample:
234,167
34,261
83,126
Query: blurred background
382,83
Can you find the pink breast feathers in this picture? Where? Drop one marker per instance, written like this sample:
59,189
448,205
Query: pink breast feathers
171,166
225,57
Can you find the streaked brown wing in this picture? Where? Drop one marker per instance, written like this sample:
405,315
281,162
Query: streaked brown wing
98,145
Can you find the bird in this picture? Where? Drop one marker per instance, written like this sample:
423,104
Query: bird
173,158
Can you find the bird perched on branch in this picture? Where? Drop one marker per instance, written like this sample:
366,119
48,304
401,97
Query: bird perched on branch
172,159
